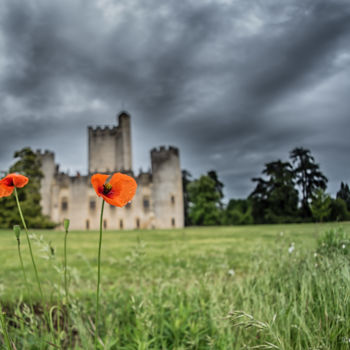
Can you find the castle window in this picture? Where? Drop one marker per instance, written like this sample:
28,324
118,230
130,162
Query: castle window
146,203
92,204
104,224
173,222
128,206
137,223
64,204
87,224
172,199
121,225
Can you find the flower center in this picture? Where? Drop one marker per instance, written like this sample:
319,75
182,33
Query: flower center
107,188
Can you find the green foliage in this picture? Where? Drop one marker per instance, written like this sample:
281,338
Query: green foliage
186,180
334,242
321,206
29,165
344,194
308,177
298,303
205,202
182,289
238,212
219,186
339,211
275,200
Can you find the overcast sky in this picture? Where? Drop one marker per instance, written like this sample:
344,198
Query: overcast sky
233,84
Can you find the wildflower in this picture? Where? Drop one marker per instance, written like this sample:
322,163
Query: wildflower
291,248
9,182
231,272
343,246
118,191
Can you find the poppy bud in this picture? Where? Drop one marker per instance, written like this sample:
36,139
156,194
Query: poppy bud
66,224
17,230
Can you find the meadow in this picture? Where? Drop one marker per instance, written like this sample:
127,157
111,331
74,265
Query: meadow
241,287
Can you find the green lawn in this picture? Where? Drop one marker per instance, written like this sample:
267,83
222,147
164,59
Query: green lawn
126,253
173,289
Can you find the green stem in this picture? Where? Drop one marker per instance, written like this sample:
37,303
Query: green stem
24,275
4,330
66,283
29,244
98,276
65,266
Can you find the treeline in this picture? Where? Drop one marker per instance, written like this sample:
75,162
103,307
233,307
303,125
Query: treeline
290,191
27,164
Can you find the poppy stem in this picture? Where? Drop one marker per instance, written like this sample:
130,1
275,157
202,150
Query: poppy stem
98,276
65,266
29,244
4,330
24,274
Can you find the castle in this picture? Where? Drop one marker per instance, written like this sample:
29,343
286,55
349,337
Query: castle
158,202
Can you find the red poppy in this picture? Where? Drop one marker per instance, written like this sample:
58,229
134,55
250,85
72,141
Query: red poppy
118,191
9,182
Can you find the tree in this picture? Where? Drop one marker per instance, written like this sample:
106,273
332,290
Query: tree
275,199
204,208
308,176
321,206
29,165
339,211
186,180
238,212
219,186
344,194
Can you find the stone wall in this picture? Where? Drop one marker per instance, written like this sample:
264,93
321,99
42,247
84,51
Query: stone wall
77,200
167,187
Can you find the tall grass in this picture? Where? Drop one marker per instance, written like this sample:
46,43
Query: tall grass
276,299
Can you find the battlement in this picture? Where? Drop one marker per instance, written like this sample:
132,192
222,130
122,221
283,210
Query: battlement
123,115
162,150
44,153
144,178
105,130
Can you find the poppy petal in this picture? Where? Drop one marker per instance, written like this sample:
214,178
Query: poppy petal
123,190
5,190
19,180
97,181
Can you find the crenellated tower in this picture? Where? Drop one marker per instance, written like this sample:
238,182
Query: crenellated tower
167,187
48,168
110,147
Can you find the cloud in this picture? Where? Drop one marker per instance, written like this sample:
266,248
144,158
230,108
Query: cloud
233,84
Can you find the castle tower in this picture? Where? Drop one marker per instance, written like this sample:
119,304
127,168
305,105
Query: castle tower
110,148
48,169
167,188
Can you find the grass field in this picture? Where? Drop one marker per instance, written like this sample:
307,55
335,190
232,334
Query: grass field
195,288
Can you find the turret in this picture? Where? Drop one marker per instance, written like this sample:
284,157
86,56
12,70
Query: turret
167,187
48,168
110,147
125,130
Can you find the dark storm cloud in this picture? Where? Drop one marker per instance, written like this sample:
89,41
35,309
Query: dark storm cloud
234,84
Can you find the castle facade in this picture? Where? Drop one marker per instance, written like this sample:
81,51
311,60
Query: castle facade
158,202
